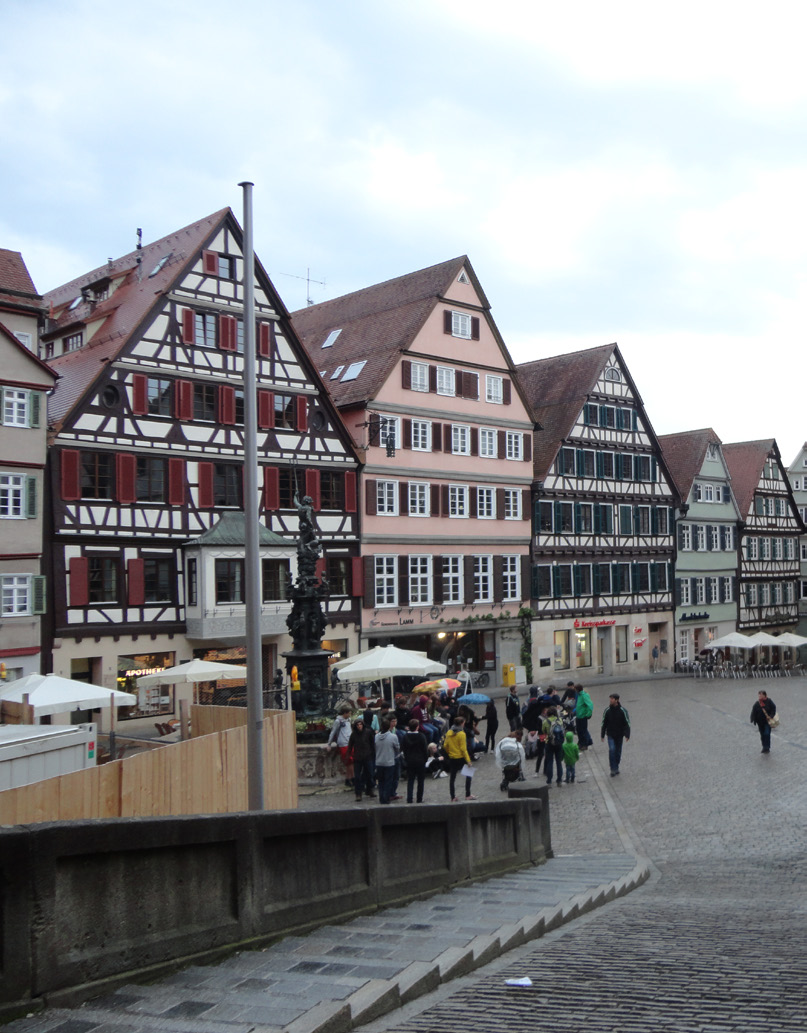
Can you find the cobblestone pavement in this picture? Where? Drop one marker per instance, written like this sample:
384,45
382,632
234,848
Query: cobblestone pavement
717,939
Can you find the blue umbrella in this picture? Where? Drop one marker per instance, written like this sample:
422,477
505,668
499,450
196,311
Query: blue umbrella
475,697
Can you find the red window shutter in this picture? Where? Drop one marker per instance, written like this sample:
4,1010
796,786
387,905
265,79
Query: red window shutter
226,399
403,498
458,383
140,405
188,326
176,482
210,263
527,439
126,477
470,386
432,379
468,578
437,579
447,321
351,504
472,510
79,581
444,500
474,328
312,486
135,571
265,340
435,499
437,437
474,441
271,488
500,503
302,412
183,399
319,568
407,433
506,391
228,332
205,485
406,374
357,576
266,410
370,498
369,582
71,481
502,444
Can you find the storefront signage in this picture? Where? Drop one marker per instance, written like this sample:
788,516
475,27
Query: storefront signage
375,623
695,616
594,624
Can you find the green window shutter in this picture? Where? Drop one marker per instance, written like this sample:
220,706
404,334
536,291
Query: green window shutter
634,577
557,522
556,582
653,578
577,521
653,469
578,577
30,498
581,461
634,420
535,590
618,464
2,406
595,578
38,593
597,519
586,419
35,404
600,468
654,520
619,419
635,519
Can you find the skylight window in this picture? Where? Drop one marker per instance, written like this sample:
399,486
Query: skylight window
353,370
329,340
163,262
74,303
336,372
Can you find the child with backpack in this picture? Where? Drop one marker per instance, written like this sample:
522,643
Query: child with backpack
571,755
555,734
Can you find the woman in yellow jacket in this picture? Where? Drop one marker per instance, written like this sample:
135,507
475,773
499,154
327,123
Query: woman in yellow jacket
456,749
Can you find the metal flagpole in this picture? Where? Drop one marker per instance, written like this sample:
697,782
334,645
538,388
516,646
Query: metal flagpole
252,579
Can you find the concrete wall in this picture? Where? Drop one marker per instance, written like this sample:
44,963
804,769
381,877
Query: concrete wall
86,905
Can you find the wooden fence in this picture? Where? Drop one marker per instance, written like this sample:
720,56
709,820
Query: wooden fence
204,775
16,713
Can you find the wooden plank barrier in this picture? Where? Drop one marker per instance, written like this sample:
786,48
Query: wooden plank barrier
203,775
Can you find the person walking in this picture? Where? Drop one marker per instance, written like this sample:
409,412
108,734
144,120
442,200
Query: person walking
654,654
387,750
492,725
456,748
571,755
338,740
761,713
583,710
512,710
616,725
415,749
555,734
360,751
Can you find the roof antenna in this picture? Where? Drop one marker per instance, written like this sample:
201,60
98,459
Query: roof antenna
139,257
308,281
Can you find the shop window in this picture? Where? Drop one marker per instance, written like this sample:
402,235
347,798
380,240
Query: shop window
561,650
583,647
621,637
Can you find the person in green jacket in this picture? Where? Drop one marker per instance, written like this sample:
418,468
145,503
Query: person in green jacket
571,755
582,712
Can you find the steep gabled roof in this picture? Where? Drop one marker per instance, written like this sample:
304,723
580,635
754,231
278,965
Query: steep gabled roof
13,341
16,286
746,461
557,389
377,324
123,312
685,453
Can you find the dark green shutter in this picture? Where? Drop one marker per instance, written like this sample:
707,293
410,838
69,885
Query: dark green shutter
30,498
577,519
38,593
34,408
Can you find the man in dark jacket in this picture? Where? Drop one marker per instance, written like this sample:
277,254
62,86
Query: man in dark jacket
416,753
760,712
616,725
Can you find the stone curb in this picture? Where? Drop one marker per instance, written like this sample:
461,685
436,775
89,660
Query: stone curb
380,996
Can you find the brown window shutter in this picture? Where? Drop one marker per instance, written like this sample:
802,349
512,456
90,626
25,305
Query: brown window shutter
468,578
373,429
356,576
500,503
433,379
437,579
437,437
525,504
434,501
228,333
188,326
459,383
369,582
266,410
312,486
302,413
403,580
136,578
474,328
474,441
125,477
370,497
472,510
447,437
502,444
527,440
350,491
176,482
470,386
210,263
205,485
226,400
140,405
265,340
271,488
498,574
507,393
71,480
79,581
447,321
183,400
407,433
444,500
406,374
403,498
525,576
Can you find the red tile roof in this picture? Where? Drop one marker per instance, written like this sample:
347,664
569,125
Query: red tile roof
746,460
685,453
16,285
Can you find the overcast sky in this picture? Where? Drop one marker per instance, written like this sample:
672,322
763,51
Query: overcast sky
629,172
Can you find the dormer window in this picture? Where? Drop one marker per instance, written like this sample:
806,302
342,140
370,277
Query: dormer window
72,342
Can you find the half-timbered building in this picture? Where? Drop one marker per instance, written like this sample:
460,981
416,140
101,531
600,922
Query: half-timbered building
769,537
603,502
24,384
706,541
424,381
146,465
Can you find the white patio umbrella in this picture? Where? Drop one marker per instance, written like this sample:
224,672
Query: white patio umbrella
52,694
762,638
733,640
194,671
389,662
368,653
790,639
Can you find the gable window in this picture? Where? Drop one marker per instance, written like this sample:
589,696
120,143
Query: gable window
205,329
420,376
485,503
613,374
488,445
452,579
421,435
230,581
150,479
72,342
204,402
276,579
227,485
512,504
420,580
460,439
564,464
386,582
514,445
461,325
387,498
225,267
158,580
511,578
16,595
419,499
483,579
158,396
285,411
642,468
494,391
15,408
97,475
446,381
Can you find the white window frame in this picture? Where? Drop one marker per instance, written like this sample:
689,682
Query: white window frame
764,548
483,579
751,595
790,592
752,548
488,443
700,536
420,376
12,496
514,445
728,590
776,593
494,389
460,439
730,542
461,325
686,592
683,644
420,580
419,499
458,508
778,549
16,408
16,597
453,578
486,503
708,493
686,537
714,590
714,534
385,581
511,578
446,381
421,435
387,424
512,504
386,498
